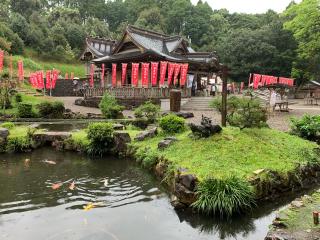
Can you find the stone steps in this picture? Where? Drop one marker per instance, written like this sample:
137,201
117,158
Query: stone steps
198,103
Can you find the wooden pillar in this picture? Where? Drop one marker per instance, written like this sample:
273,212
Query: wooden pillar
224,74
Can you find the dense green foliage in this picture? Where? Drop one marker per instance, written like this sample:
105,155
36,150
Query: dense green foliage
25,110
7,125
51,109
147,110
268,43
243,112
19,139
172,124
100,136
307,127
224,196
147,157
109,107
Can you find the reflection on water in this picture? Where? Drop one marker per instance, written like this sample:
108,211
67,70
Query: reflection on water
63,126
128,203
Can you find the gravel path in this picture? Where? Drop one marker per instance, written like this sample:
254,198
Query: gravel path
277,120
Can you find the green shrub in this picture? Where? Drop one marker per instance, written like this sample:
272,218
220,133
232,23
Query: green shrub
51,109
172,124
223,196
18,98
147,110
147,157
100,136
8,125
110,108
19,144
25,110
307,127
243,112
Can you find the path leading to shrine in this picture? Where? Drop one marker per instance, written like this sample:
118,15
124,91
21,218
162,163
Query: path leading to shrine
278,120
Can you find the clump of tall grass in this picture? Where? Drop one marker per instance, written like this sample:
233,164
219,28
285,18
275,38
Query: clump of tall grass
225,197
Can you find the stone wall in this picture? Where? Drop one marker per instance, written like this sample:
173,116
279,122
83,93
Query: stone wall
128,103
65,88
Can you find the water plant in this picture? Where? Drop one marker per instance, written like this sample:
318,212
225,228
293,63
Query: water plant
225,197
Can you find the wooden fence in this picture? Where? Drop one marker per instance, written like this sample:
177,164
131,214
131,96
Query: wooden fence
134,93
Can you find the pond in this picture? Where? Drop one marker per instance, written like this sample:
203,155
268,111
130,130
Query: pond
127,203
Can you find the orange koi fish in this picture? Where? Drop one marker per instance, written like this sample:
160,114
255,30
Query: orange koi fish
56,186
72,186
50,162
88,207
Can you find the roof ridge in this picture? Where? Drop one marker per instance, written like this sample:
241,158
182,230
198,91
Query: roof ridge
148,32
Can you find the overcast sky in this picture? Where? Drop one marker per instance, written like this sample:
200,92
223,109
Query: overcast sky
249,6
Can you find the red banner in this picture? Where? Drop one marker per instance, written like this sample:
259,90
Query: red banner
32,80
48,80
171,69
176,73
183,74
91,82
135,74
20,71
55,75
264,80
72,76
163,71
114,75
1,59
145,74
286,81
154,73
40,82
256,80
124,73
102,75
66,76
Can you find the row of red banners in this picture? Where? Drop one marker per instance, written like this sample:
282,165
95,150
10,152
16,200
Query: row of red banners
173,70
259,80
20,66
37,79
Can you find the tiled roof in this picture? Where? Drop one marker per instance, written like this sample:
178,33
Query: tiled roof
99,47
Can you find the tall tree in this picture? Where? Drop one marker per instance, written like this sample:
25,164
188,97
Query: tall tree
304,21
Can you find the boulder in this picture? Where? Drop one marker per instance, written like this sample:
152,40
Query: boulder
161,169
189,181
279,236
176,203
205,129
4,133
184,195
79,101
171,138
164,144
45,138
118,126
121,141
185,114
147,134
297,204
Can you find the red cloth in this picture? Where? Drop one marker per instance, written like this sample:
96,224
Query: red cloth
176,73
91,82
135,74
1,59
48,80
145,74
163,71
66,76
40,82
102,75
154,73
264,80
124,73
256,80
171,69
286,81
183,74
71,76
114,75
55,74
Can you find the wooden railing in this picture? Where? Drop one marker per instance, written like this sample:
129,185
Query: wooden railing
137,93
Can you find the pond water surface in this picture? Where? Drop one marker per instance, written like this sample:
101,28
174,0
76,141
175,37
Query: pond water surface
128,203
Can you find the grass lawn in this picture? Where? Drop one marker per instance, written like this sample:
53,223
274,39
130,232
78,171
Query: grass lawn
25,99
32,63
235,152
